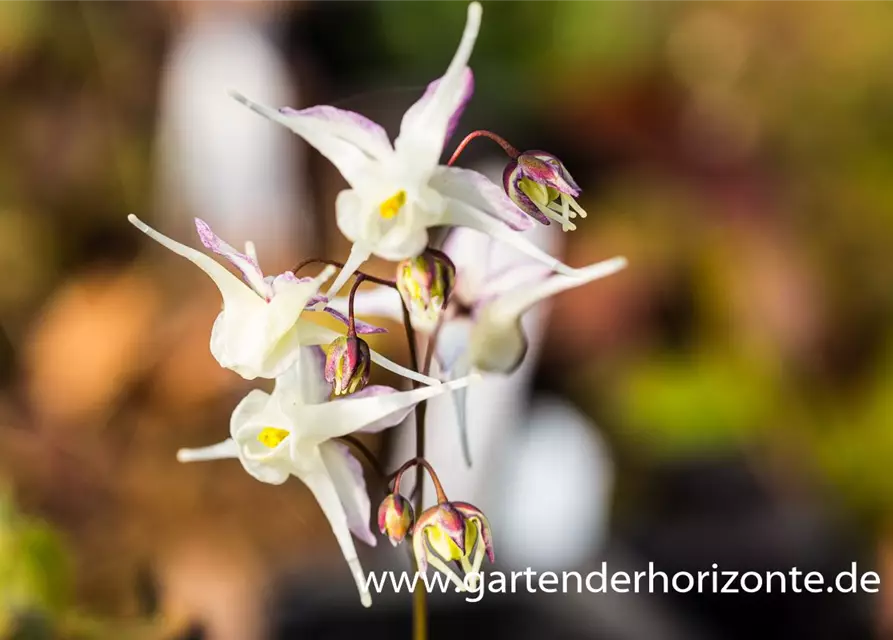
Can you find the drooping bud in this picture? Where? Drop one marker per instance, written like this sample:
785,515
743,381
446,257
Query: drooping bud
425,283
348,363
452,531
543,188
395,517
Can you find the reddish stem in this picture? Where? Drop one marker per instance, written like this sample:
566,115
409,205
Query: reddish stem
441,494
502,142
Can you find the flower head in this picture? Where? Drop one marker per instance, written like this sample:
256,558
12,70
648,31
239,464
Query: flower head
425,283
291,432
395,517
398,191
452,531
261,329
348,364
543,188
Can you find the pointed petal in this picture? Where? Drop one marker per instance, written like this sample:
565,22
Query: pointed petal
400,370
362,328
388,421
460,403
360,131
359,253
513,304
378,301
286,306
354,164
247,265
426,125
220,451
347,475
476,190
335,419
525,273
461,215
321,484
454,105
235,292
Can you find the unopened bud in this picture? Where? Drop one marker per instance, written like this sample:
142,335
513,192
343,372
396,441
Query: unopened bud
347,364
395,517
425,283
543,188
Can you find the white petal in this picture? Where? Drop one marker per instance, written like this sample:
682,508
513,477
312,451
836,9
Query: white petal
510,306
359,253
220,451
347,475
504,279
321,484
400,370
246,264
370,137
335,419
390,420
377,301
452,342
478,191
425,125
496,347
460,403
248,411
462,215
236,294
354,164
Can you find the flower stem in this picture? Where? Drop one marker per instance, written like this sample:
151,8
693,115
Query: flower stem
340,265
421,462
502,142
351,320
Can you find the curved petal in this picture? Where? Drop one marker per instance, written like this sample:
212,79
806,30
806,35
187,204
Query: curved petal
425,126
378,301
452,342
246,264
321,484
359,253
388,421
335,419
236,294
347,475
363,328
220,451
480,192
360,131
462,215
509,277
511,305
354,164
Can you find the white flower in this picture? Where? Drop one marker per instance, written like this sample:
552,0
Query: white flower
481,329
397,192
260,330
291,432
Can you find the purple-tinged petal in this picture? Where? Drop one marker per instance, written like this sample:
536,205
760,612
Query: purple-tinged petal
361,327
388,421
347,476
461,100
544,168
473,513
350,126
476,190
511,180
247,265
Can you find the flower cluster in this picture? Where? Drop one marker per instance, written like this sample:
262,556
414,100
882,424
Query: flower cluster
470,315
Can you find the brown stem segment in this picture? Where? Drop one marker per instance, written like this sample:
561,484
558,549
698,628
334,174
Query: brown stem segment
351,319
340,265
421,462
502,142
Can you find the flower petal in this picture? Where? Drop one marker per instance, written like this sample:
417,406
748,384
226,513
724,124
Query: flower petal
236,294
350,126
354,164
335,419
246,264
511,305
427,124
361,327
454,104
478,191
462,215
359,253
320,482
388,421
220,451
347,475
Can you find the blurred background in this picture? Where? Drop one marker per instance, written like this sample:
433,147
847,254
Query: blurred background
739,372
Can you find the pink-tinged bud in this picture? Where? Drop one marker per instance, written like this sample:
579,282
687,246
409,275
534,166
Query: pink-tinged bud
425,283
348,363
452,531
543,188
395,517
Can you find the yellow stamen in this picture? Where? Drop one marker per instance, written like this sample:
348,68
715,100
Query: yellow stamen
391,207
271,437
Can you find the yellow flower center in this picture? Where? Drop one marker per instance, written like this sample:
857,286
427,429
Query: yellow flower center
271,437
391,207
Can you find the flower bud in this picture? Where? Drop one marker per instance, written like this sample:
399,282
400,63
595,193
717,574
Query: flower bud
395,517
347,364
425,283
543,188
452,531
